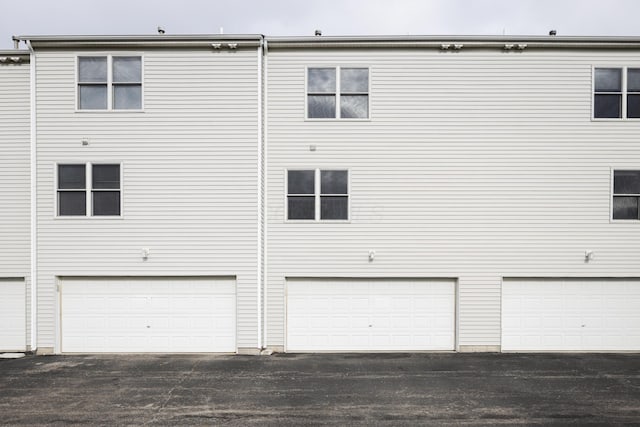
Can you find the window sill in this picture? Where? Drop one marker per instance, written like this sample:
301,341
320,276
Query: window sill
618,119
85,218
337,120
108,111
313,221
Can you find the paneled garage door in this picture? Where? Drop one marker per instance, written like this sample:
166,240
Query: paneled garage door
570,315
13,318
147,315
370,315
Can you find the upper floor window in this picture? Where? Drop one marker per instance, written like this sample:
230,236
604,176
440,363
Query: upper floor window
337,92
318,194
616,93
626,194
109,82
88,188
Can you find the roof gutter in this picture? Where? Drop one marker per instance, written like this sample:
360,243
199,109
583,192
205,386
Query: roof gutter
234,41
442,42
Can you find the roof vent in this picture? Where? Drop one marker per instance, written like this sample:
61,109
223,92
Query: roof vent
160,30
553,32
318,32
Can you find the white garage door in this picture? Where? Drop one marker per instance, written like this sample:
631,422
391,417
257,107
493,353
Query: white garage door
570,315
374,315
13,316
147,315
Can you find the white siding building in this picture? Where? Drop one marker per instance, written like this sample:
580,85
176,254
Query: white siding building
241,193
477,200
147,193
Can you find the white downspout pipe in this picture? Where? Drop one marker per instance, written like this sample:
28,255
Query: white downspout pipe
260,202
265,138
33,200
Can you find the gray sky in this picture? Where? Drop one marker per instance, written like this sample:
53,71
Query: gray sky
333,17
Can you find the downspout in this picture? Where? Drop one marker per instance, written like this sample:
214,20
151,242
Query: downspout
260,276
265,154
33,199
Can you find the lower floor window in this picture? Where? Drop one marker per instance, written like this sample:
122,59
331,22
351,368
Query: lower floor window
318,194
626,194
87,189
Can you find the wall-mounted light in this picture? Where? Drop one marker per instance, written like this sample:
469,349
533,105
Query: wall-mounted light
216,45
588,256
232,45
85,141
372,255
145,253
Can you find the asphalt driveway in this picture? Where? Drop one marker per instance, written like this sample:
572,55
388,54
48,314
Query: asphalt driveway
344,389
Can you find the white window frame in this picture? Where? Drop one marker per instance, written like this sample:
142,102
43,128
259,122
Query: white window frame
88,191
613,194
317,195
337,94
110,84
624,92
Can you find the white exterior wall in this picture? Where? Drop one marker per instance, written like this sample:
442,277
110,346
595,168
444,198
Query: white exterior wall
479,305
15,247
190,177
477,163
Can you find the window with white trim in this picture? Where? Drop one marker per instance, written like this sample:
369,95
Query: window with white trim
318,195
337,92
626,194
109,82
616,93
86,189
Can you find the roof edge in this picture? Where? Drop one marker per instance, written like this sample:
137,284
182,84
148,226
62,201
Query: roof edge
241,40
14,52
253,40
462,41
8,56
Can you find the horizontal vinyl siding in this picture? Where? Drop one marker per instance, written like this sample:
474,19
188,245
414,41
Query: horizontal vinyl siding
479,311
473,163
15,247
189,176
14,170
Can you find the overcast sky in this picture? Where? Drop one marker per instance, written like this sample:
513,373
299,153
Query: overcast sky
333,17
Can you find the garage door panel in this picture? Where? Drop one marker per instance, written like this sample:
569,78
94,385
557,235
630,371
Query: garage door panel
147,315
570,315
370,315
13,314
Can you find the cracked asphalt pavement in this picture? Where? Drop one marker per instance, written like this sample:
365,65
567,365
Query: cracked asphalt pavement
313,389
